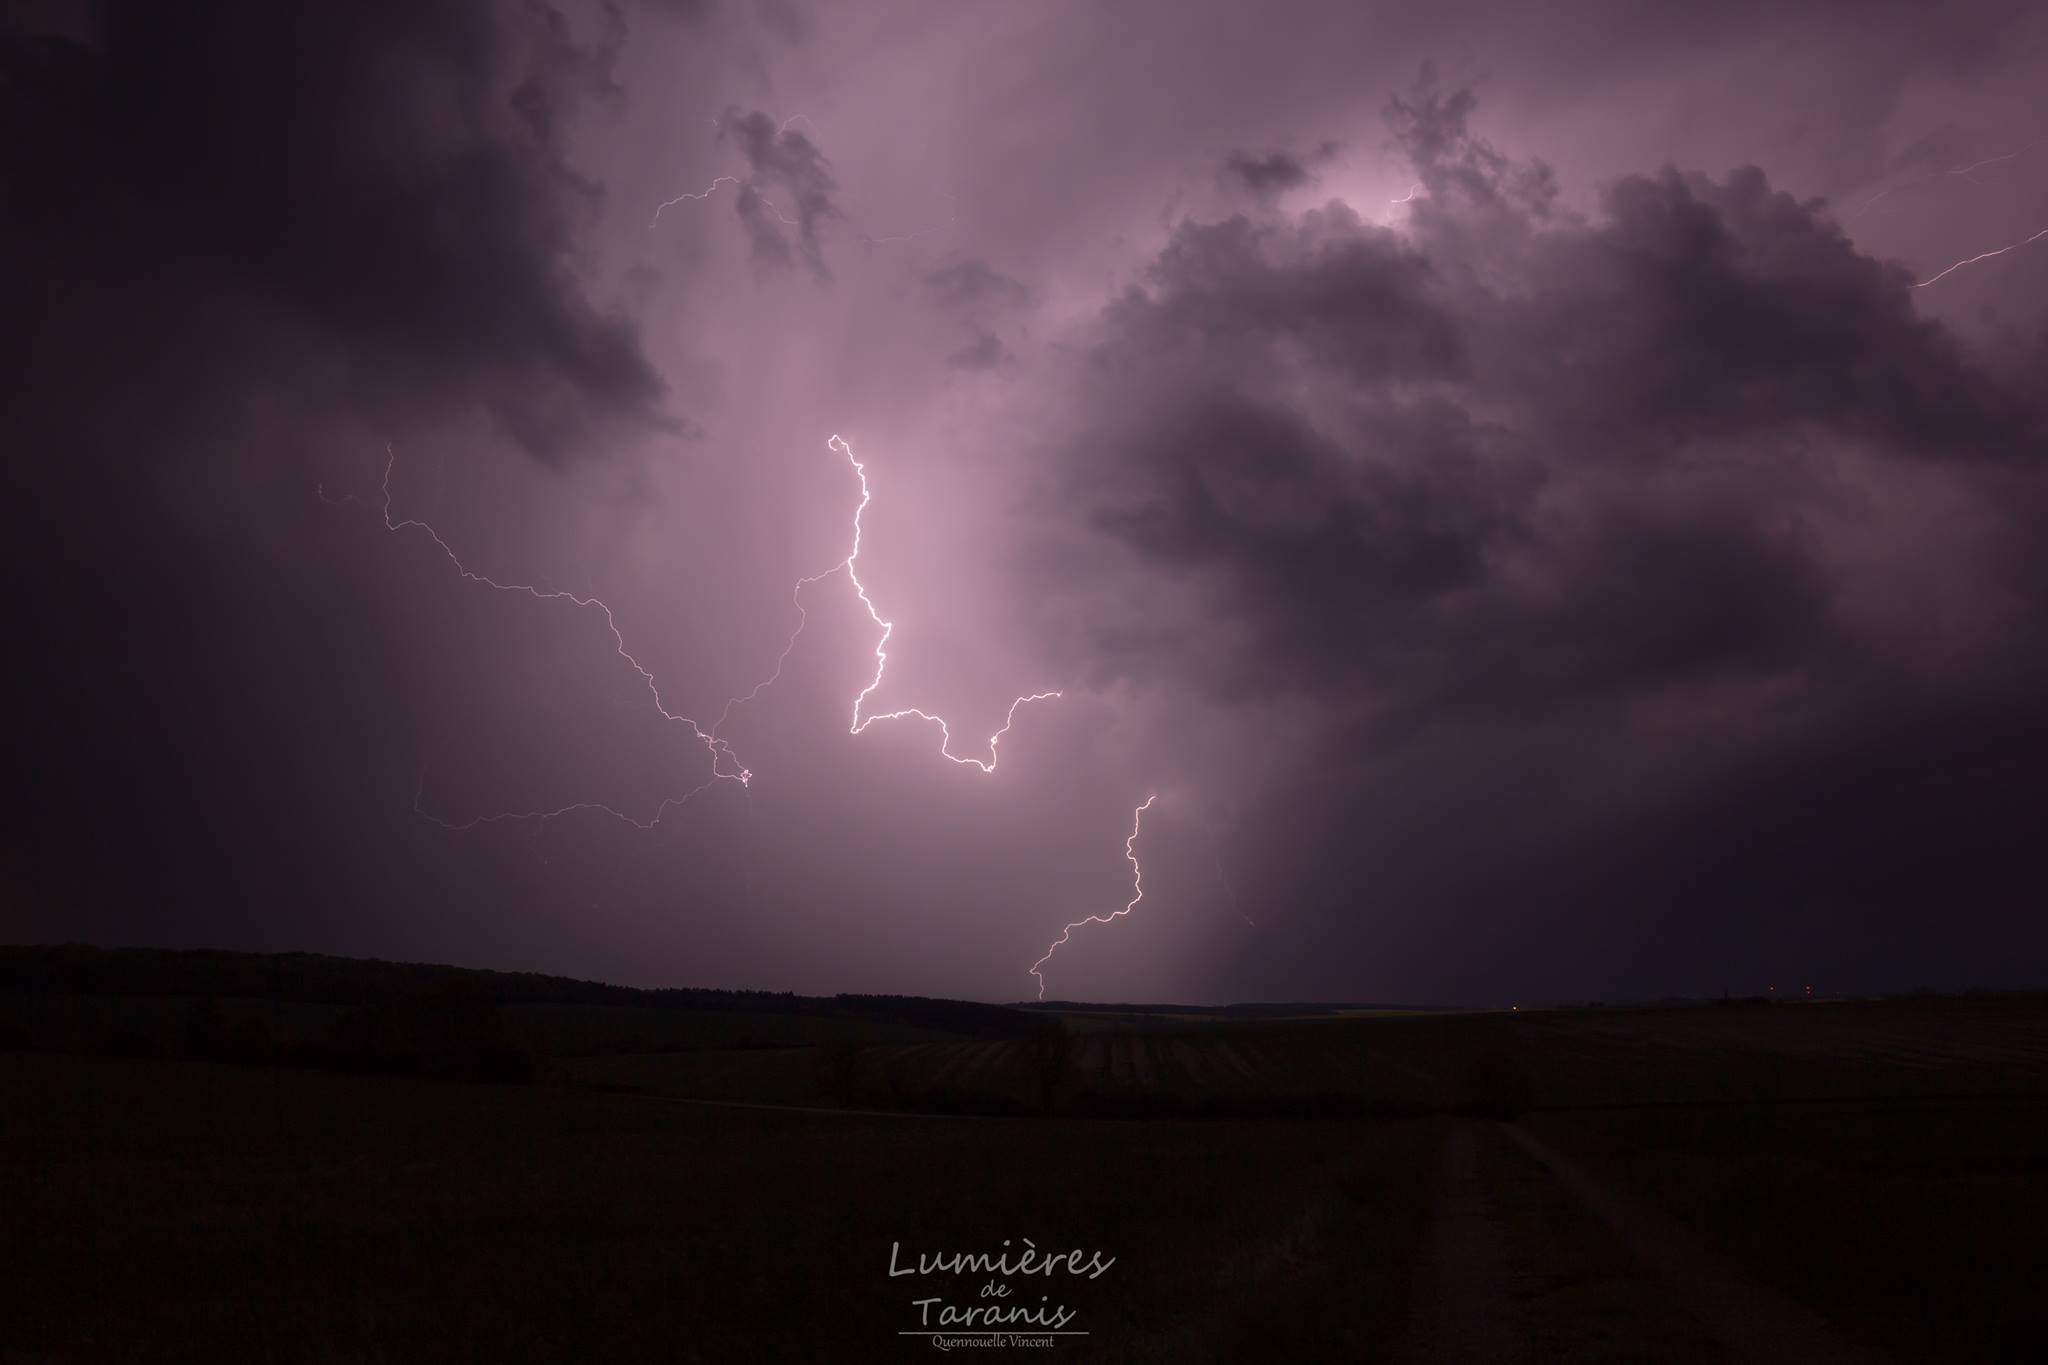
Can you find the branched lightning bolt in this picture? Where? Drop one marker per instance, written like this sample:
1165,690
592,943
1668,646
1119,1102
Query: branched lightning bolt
539,819
706,193
1137,894
866,240
1991,160
1869,203
543,816
725,765
803,618
888,628
1963,171
1983,256
734,180
850,566
712,188
1409,197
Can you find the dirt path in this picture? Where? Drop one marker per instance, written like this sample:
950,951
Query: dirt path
1463,1311
1760,1322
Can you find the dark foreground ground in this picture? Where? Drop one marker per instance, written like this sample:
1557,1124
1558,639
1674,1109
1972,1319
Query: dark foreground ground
1852,1181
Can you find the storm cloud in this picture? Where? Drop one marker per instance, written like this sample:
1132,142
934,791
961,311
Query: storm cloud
1607,506
1524,522
783,159
395,192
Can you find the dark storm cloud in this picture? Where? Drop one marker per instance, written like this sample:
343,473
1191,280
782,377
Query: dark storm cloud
767,241
1295,535
1374,444
1356,298
782,159
1518,586
1265,176
1270,174
393,186
242,246
1566,528
1732,308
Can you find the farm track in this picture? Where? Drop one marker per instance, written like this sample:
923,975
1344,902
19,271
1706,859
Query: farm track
1462,1310
1760,1322
1466,1303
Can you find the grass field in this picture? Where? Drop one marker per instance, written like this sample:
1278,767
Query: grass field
186,1211
1390,1065
408,1164
1921,1222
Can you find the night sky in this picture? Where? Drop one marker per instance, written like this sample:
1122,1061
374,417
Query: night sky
1487,469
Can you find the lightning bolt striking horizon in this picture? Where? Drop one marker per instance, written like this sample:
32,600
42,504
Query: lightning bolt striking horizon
1137,889
1982,256
861,723
715,745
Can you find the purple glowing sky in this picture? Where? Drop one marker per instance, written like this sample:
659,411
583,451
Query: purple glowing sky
1487,469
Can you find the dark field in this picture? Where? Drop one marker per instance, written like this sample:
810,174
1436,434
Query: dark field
199,1211
469,1168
